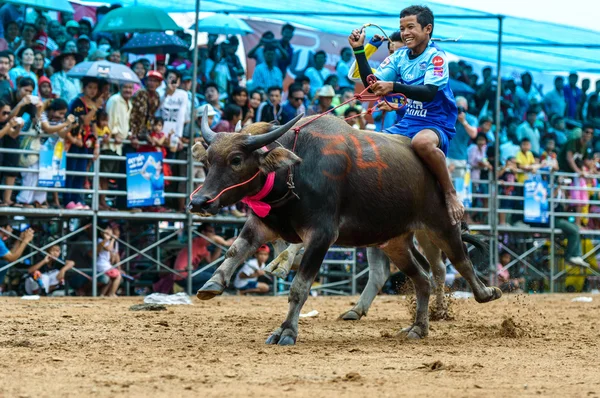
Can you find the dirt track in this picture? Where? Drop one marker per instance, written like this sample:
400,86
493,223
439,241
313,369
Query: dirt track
86,347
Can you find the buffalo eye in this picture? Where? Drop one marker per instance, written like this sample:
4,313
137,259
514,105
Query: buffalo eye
236,161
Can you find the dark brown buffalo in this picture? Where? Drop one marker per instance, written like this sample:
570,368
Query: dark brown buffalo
354,188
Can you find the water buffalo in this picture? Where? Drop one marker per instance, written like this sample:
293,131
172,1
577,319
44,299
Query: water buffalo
332,184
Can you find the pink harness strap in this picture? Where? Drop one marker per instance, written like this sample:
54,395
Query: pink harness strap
261,209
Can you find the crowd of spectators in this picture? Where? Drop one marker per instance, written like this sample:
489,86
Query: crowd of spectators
541,128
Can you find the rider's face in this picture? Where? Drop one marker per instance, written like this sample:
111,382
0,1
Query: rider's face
413,34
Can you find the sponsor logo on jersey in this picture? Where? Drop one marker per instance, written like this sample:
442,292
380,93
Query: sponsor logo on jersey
423,65
438,61
415,108
385,62
438,71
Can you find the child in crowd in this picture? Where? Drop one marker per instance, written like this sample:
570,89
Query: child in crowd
106,166
108,254
46,274
54,122
505,282
158,142
507,174
549,157
10,128
525,160
246,280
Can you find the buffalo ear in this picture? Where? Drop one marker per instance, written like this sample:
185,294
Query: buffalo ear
199,152
276,159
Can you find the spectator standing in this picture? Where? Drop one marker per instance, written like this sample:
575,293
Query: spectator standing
84,45
6,86
569,229
325,98
525,160
26,57
257,52
17,250
582,105
271,110
529,130
466,130
212,97
64,86
144,105
478,158
10,128
11,35
571,160
287,53
28,36
486,91
507,174
294,105
267,74
554,101
232,114
239,97
55,123
343,67
82,140
174,109
525,93
317,74
511,147
233,63
118,108
549,159
485,127
186,85
558,130
246,280
572,96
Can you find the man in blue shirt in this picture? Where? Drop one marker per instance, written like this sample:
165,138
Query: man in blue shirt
420,72
466,130
8,256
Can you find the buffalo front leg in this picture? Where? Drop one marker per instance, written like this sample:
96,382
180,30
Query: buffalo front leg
253,235
316,248
379,272
282,264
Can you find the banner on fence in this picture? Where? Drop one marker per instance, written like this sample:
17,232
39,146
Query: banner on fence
536,209
53,164
464,189
145,180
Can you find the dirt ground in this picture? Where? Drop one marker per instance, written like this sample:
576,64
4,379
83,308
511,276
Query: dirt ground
97,347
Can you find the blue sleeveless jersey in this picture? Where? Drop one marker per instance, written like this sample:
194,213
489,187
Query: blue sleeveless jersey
431,67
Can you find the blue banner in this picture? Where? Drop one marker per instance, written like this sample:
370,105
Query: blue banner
53,164
535,207
464,189
145,180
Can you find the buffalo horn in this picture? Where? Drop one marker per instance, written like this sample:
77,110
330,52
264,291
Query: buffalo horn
207,133
254,142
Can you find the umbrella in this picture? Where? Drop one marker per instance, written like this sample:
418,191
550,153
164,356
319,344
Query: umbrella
155,43
115,73
52,5
459,87
224,25
136,19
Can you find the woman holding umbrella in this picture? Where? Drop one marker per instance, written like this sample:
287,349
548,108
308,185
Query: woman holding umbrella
64,86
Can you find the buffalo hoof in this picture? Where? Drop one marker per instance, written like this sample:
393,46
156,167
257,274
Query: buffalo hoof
210,290
282,337
413,332
492,293
277,267
350,315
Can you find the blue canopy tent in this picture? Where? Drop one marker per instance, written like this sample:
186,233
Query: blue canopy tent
510,41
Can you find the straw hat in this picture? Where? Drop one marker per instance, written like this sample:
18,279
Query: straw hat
326,91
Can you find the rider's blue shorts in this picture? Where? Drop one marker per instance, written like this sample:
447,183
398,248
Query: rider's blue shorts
443,134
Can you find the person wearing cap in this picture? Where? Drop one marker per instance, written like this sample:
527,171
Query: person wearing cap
8,256
45,88
73,28
63,86
325,96
246,280
144,104
83,46
186,85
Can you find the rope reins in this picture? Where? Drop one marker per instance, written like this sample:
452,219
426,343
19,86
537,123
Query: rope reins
362,96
